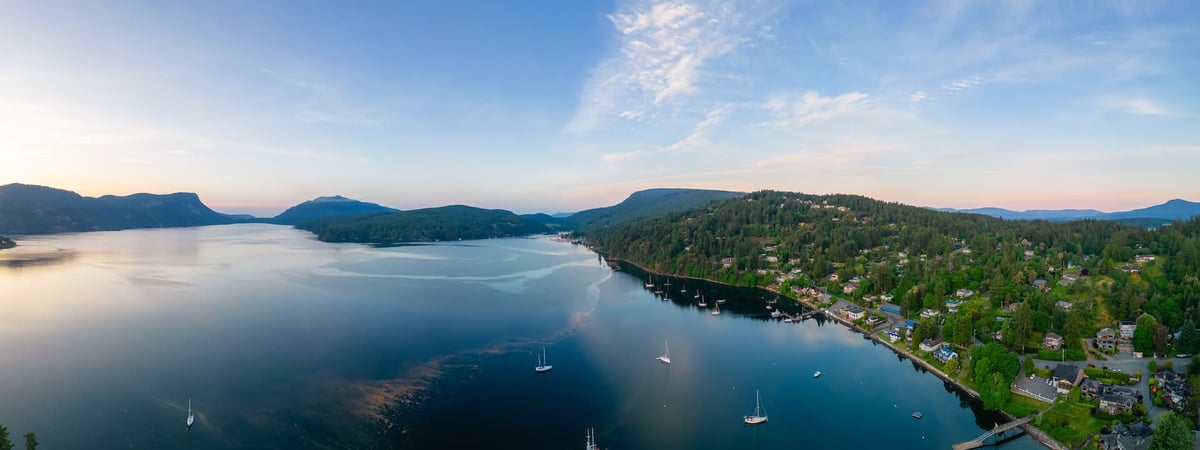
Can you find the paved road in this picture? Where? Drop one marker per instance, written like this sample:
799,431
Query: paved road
1125,362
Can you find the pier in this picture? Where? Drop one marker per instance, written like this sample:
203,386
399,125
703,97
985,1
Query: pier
998,430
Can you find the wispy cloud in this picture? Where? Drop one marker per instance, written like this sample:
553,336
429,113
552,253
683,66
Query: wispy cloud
662,53
697,138
321,103
918,97
1137,106
793,110
962,84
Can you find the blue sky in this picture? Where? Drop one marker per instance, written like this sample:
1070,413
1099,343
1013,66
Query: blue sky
561,106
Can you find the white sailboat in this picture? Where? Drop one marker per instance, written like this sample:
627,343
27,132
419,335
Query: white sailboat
665,357
191,419
702,303
542,366
717,311
760,413
650,284
591,440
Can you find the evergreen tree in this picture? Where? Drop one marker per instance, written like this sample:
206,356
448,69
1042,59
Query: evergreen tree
1143,336
5,444
31,442
1189,339
1172,433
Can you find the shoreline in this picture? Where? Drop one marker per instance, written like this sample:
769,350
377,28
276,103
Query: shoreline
1036,434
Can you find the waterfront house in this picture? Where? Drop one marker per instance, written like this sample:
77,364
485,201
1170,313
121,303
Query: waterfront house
964,293
874,321
855,313
944,354
890,308
1066,377
930,345
894,335
1052,341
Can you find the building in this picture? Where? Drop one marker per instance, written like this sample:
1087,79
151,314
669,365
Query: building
952,305
855,313
1052,341
930,313
1066,377
964,293
944,354
1114,404
1106,339
894,335
930,345
1063,305
887,297
1127,328
1069,278
1143,258
1040,284
890,308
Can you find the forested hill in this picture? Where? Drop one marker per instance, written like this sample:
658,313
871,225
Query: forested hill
446,223
6,242
646,204
322,207
27,209
920,256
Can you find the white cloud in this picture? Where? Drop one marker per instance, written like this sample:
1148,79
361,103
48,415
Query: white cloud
796,111
918,97
699,135
962,84
1137,106
664,48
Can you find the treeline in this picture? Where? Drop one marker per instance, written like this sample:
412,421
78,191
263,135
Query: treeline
31,442
922,256
446,223
7,242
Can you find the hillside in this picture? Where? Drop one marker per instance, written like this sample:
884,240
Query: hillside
322,207
27,209
649,203
6,242
863,248
446,223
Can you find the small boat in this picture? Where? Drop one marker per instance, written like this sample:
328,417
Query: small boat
683,290
760,413
191,420
697,295
788,320
916,415
665,357
776,313
542,366
717,311
817,374
702,304
592,439
720,300
650,285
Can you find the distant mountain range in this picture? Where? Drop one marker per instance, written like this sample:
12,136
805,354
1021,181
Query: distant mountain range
1176,209
29,209
647,204
323,207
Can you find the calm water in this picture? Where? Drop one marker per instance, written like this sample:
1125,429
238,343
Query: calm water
285,342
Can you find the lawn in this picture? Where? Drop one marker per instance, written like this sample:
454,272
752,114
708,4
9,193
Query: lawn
1020,406
1070,421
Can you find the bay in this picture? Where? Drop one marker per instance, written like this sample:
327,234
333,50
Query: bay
282,341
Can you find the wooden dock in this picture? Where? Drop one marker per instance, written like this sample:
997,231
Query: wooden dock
998,430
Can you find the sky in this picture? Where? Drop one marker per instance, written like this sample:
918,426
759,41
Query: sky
553,106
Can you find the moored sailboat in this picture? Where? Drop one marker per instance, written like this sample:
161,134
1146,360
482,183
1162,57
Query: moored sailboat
543,363
666,356
760,413
191,420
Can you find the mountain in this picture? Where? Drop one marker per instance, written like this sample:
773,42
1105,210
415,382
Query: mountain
1176,209
322,207
28,209
446,223
647,204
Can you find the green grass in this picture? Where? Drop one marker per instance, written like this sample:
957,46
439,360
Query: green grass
1071,422
1020,406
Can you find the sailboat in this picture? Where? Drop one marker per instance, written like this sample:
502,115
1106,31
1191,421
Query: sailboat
683,290
760,413
191,420
665,357
542,366
717,311
591,440
702,304
650,284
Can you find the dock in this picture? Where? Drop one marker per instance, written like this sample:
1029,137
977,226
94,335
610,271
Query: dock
998,430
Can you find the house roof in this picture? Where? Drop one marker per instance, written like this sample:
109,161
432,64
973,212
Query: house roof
1066,372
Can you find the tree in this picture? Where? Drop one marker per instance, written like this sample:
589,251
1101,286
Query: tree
951,367
1189,339
1022,326
1027,365
1160,340
1143,336
1172,433
31,442
5,444
995,368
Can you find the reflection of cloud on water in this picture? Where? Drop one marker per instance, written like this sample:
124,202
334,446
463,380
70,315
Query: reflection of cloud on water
509,282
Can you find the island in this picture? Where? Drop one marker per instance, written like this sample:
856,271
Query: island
1071,328
7,242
